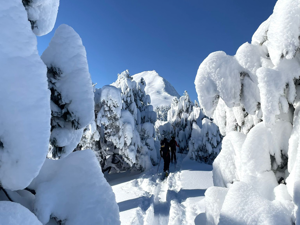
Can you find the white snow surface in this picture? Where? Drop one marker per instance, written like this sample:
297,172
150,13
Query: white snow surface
72,86
257,210
160,90
218,76
178,200
74,190
24,99
15,214
43,14
67,53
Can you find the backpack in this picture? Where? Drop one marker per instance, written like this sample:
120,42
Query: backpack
173,144
164,150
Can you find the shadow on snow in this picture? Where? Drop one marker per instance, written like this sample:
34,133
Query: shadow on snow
160,208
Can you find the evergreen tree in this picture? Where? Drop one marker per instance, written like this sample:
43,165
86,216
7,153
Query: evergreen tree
253,97
71,89
137,103
162,112
178,117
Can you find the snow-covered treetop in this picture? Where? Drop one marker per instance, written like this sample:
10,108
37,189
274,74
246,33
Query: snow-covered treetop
179,107
111,100
247,79
218,77
280,32
68,72
41,14
158,88
74,190
127,85
24,100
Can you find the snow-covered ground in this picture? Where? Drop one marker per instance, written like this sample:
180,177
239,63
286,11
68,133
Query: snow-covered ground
160,90
146,199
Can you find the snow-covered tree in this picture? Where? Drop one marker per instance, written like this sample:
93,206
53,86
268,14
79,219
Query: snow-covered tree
162,112
253,97
178,117
192,130
67,191
89,138
25,106
137,102
148,119
41,15
72,97
205,142
117,131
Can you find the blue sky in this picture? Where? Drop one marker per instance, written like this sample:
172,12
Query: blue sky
172,37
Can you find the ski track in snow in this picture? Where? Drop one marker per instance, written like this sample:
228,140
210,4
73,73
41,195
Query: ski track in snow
178,199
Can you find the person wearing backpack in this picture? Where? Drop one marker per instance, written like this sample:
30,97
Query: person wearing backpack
165,154
173,145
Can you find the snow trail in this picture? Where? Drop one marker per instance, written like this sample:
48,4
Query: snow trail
176,200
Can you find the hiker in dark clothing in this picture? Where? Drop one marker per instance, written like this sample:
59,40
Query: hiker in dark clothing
173,145
165,154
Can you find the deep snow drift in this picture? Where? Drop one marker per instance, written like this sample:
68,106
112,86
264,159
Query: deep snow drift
160,90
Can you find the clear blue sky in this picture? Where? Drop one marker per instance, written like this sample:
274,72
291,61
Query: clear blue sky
170,36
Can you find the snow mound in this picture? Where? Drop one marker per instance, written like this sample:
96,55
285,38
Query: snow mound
257,210
72,97
160,90
74,190
24,100
42,15
14,214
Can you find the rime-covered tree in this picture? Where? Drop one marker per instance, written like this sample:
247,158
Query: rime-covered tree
72,97
137,103
178,117
33,188
41,15
253,97
148,119
194,132
117,150
162,112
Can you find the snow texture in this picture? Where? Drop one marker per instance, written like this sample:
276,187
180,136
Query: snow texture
160,90
254,99
226,166
14,214
218,77
42,15
72,97
74,190
25,114
144,199
257,210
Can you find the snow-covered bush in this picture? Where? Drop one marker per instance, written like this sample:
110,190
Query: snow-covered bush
67,191
195,134
113,144
74,190
137,102
41,15
205,142
254,99
178,117
89,138
24,99
72,98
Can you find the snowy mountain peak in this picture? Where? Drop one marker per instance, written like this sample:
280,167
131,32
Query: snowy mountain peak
159,89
